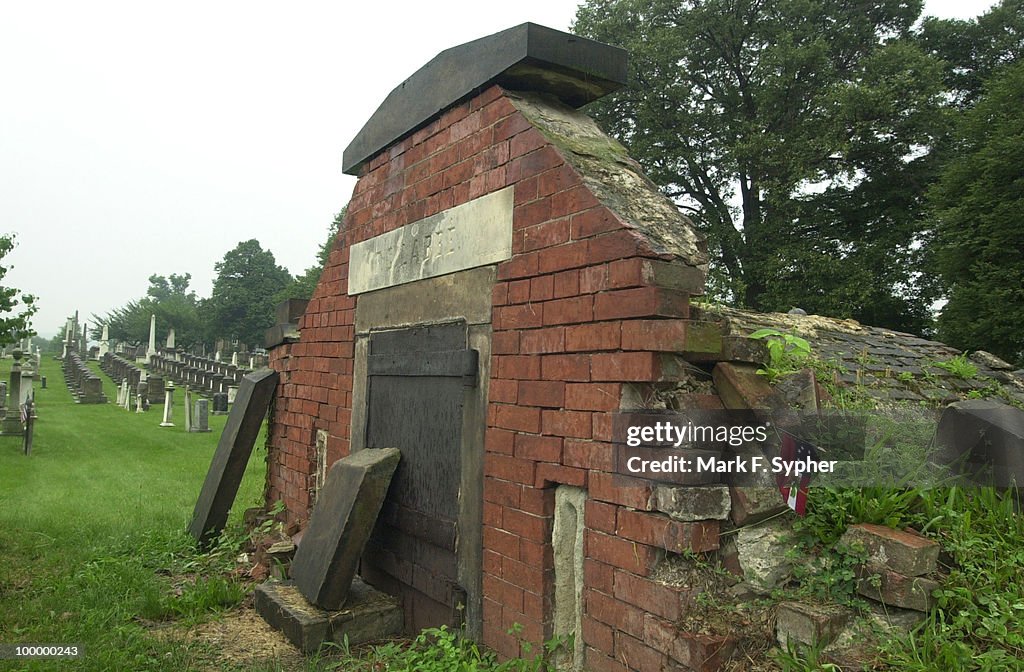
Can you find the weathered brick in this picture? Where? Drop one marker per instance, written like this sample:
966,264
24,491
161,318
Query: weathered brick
593,337
658,335
569,311
547,393
641,302
520,418
539,448
593,396
622,553
565,367
542,340
902,552
626,366
908,592
663,532
571,424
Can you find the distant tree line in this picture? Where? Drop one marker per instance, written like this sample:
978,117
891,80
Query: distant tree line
248,287
846,158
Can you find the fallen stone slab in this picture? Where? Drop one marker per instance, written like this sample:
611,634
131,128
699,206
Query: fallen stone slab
902,552
340,525
367,615
232,455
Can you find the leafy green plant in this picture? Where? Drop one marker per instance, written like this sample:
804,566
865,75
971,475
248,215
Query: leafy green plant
959,366
786,353
445,650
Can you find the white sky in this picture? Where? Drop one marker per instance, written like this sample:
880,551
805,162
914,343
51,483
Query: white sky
140,138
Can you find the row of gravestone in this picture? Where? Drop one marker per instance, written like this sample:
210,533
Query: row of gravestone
199,373
85,386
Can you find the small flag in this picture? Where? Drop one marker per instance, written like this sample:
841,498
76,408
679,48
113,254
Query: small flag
793,488
24,414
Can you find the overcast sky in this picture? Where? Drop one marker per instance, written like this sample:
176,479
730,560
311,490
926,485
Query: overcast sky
140,138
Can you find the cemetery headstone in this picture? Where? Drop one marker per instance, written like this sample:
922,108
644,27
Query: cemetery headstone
220,403
342,520
12,419
201,416
232,455
188,409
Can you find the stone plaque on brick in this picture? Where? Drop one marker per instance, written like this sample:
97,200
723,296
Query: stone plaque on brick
473,234
232,455
345,513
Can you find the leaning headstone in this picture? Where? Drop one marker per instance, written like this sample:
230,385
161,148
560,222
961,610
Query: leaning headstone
201,417
340,525
232,455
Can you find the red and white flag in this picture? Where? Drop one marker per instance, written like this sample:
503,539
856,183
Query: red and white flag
792,487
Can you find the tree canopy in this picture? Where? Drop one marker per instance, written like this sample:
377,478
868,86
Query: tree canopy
980,229
16,307
173,303
795,135
241,305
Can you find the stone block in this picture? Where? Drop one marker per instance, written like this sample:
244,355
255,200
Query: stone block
809,624
692,503
751,504
902,552
984,439
741,387
341,523
762,552
232,455
367,615
888,587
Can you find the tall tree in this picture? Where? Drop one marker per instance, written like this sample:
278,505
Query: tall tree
795,135
978,204
973,50
16,307
241,305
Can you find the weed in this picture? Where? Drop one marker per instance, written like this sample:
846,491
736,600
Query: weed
959,366
786,353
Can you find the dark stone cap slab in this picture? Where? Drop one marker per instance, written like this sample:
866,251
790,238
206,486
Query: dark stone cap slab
232,455
340,525
528,57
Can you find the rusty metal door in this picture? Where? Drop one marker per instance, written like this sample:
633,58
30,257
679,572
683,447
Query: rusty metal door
417,381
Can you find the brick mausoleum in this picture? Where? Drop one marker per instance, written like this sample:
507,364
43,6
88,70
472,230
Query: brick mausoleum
504,281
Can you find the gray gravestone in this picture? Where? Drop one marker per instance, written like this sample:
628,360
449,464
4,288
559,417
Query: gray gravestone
201,417
232,455
345,513
220,403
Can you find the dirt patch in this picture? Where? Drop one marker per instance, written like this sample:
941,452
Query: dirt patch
239,639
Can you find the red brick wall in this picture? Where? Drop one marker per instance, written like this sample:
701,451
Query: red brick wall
574,317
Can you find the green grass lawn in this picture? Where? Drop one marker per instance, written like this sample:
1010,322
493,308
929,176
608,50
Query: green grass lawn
92,531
